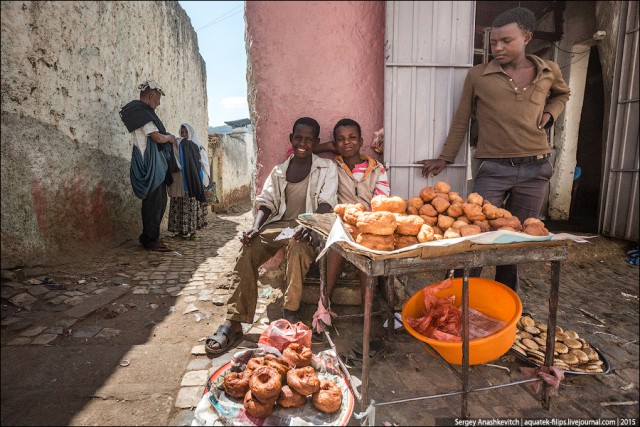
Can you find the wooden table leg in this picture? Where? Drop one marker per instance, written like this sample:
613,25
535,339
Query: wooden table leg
368,302
391,320
551,328
465,343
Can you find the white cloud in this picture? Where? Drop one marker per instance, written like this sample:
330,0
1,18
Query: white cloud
234,103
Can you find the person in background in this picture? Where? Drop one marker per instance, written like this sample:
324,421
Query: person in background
149,171
304,183
515,97
188,208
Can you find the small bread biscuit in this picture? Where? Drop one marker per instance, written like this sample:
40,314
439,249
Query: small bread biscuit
560,336
525,334
541,326
571,334
569,359
519,350
559,330
561,348
591,353
540,341
585,343
543,335
527,321
518,343
571,343
535,353
581,355
532,330
530,343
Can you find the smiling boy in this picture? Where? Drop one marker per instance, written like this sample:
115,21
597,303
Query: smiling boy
304,183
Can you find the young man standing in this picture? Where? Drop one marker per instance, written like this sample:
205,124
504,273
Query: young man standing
304,183
515,97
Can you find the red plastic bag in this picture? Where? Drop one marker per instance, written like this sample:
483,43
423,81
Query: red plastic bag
280,333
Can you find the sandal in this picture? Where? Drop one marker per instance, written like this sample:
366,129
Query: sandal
376,349
161,247
224,336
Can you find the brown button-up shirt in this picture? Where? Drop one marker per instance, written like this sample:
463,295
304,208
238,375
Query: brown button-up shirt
507,115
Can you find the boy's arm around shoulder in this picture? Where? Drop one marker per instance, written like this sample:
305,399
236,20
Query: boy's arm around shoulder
559,92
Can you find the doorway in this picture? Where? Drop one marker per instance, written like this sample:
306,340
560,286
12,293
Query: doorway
583,214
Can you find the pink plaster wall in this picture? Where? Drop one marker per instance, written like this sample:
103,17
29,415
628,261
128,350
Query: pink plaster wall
319,59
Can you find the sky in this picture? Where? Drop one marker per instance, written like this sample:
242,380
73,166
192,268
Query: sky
220,29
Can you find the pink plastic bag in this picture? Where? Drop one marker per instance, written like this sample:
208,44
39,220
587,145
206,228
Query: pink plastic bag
281,333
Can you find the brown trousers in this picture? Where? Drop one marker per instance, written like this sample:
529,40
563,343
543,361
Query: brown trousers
241,306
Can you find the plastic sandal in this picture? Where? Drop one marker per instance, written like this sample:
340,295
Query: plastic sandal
224,336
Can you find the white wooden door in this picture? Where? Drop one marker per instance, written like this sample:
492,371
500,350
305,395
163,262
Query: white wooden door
429,49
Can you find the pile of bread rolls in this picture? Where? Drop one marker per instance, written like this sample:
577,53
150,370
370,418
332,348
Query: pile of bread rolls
436,213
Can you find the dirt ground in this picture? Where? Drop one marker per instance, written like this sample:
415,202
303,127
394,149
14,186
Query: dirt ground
133,377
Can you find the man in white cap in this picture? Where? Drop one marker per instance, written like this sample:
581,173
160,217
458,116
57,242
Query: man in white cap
149,164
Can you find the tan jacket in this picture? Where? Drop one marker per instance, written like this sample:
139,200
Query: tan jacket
323,184
352,191
507,116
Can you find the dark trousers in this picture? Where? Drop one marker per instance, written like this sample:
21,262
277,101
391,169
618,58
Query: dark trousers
523,188
153,207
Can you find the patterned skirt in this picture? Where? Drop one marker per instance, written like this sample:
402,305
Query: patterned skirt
186,215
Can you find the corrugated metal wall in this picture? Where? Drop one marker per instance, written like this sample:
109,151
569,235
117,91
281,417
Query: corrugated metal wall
619,199
429,49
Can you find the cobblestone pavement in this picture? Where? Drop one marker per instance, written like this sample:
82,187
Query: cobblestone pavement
118,337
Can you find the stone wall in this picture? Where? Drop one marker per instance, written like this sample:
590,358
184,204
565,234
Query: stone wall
67,69
232,160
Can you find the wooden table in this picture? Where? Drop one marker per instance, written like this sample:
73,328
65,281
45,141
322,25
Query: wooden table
376,266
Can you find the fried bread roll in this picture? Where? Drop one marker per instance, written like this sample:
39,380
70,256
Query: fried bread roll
484,225
451,234
473,211
353,230
455,197
389,204
505,213
416,202
469,230
535,230
442,187
381,223
376,242
437,230
455,210
425,234
340,208
445,221
533,221
427,194
402,241
512,222
490,211
475,198
428,210
431,220
408,224
352,213
457,224
411,210
440,204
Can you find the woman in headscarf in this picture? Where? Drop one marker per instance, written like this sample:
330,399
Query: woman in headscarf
188,208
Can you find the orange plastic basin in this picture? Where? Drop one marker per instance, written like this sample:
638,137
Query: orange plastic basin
487,296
